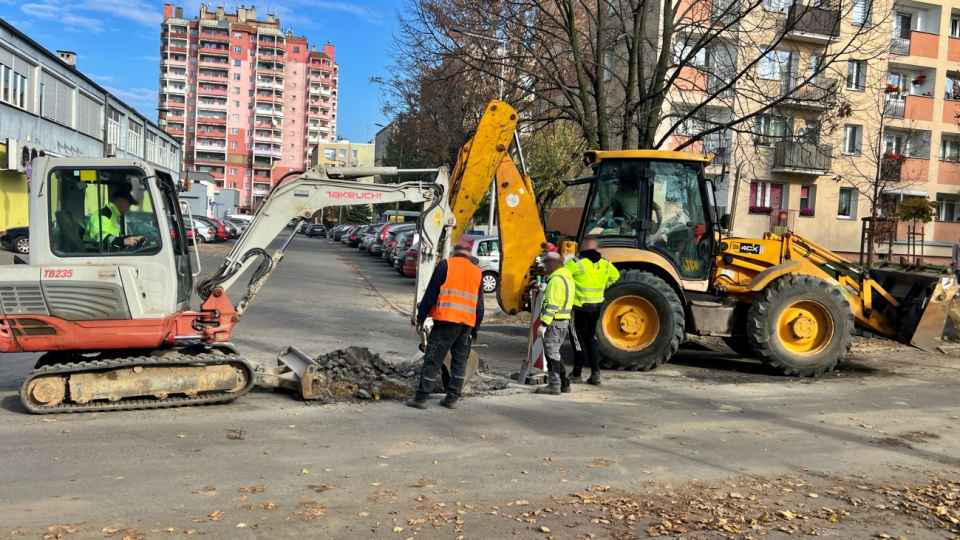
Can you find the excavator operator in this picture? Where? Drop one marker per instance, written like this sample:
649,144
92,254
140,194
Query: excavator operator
106,227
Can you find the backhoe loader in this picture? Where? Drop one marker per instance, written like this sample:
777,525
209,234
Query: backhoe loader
784,299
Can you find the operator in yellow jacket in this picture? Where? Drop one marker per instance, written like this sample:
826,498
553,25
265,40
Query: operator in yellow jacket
106,227
555,310
593,275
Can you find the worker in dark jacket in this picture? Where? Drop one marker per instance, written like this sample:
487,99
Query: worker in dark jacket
454,300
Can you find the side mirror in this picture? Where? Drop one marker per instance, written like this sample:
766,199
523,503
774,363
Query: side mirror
725,221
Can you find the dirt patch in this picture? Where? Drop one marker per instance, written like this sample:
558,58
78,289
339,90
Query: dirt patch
358,373
903,440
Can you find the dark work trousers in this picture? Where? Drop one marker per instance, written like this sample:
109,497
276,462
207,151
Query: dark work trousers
584,340
445,337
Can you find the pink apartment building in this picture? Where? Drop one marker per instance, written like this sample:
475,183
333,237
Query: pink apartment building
249,101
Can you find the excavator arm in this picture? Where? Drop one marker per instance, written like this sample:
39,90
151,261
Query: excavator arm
299,198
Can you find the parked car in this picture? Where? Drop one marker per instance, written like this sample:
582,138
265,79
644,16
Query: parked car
204,232
410,261
232,230
387,238
486,249
345,236
219,233
405,241
337,232
305,226
317,230
16,239
240,225
356,235
374,235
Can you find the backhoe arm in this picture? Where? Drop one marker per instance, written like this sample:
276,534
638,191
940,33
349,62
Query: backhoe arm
302,197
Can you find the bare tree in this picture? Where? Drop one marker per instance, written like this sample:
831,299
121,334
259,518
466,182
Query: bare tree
880,160
631,73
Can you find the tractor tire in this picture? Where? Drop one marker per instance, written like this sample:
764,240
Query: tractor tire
800,325
740,345
641,323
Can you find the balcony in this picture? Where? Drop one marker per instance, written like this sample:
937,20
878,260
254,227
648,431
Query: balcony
218,51
174,89
313,140
922,44
172,49
914,170
802,158
212,147
210,61
204,36
314,91
818,94
178,75
820,25
715,144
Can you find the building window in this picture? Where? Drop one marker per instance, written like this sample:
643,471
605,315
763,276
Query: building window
234,131
249,146
238,49
237,35
769,129
330,154
950,150
234,145
236,89
847,203
765,197
862,13
236,63
808,200
236,77
343,153
856,75
247,174
948,207
955,28
852,136
235,117
296,49
233,172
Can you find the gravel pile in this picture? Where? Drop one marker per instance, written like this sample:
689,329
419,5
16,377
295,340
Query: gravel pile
355,372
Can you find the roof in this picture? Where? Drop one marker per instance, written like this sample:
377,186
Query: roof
596,156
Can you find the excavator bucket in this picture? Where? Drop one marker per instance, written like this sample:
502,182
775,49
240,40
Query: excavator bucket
294,372
927,303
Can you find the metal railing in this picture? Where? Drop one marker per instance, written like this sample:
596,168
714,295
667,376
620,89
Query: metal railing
802,156
816,92
900,46
895,108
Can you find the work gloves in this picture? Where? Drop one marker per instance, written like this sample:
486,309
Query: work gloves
542,331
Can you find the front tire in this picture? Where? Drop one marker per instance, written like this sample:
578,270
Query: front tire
21,245
641,323
800,325
489,282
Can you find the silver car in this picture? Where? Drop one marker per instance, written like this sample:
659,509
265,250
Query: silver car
205,232
486,249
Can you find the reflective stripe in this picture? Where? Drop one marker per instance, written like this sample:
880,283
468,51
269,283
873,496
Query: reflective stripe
592,289
580,265
454,292
589,299
551,306
455,306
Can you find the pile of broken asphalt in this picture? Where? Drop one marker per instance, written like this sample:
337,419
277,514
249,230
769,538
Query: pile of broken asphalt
358,373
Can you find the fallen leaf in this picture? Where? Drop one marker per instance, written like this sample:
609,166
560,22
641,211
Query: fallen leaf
786,514
397,528
544,529
328,470
66,431
377,484
383,457
217,515
253,489
812,495
304,471
181,436
291,426
241,525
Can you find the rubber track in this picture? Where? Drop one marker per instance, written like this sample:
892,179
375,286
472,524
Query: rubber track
143,403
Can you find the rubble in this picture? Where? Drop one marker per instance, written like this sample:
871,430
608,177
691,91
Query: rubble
358,373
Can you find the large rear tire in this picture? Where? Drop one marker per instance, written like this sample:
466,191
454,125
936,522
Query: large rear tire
641,325
800,325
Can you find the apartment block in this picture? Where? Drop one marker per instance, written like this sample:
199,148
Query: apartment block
249,100
809,167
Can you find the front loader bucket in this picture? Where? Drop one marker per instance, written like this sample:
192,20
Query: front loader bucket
929,332
926,301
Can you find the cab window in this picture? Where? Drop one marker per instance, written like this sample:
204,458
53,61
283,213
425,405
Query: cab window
679,222
616,202
94,211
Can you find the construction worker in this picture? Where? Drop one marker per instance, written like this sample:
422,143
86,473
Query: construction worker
592,274
105,228
555,311
454,300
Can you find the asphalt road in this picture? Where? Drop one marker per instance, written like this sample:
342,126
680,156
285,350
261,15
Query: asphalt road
364,469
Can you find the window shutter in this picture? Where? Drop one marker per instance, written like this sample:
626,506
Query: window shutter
858,136
753,194
776,196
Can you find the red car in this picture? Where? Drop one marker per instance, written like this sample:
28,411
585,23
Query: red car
410,260
221,230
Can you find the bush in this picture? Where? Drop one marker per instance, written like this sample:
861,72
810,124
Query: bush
760,209
917,209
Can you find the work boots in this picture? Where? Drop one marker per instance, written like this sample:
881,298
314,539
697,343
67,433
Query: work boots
548,390
594,378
